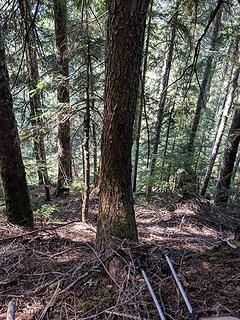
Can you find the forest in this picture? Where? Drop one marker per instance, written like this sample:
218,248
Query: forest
119,159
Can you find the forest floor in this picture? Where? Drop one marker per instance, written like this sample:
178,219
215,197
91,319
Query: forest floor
55,273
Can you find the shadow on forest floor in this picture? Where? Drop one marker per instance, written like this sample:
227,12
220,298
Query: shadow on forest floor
56,274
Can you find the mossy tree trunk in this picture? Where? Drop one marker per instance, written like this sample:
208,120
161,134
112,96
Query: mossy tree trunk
12,170
126,25
64,128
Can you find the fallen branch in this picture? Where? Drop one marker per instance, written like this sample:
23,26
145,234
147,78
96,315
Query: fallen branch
12,308
124,315
50,303
35,232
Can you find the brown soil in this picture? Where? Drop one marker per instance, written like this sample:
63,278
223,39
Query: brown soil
55,272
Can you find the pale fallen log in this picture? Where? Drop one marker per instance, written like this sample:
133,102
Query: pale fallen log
12,308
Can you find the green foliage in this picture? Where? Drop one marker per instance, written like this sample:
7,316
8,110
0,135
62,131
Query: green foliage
41,85
77,187
81,305
182,93
45,212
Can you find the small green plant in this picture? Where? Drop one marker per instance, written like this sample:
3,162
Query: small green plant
45,212
81,306
77,186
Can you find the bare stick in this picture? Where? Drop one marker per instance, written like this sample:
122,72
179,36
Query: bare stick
50,303
12,308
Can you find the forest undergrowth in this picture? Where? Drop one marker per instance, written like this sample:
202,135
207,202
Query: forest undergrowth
54,271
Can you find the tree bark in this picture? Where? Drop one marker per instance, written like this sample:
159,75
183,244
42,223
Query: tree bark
227,105
29,38
206,83
236,167
170,121
161,103
229,158
12,170
126,25
86,133
64,128
86,124
95,162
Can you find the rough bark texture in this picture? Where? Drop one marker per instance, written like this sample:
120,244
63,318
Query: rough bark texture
206,83
34,98
86,132
86,125
229,158
86,171
12,170
126,26
64,134
227,105
95,155
169,127
161,103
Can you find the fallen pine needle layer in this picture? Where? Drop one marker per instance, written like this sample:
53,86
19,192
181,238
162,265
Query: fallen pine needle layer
55,273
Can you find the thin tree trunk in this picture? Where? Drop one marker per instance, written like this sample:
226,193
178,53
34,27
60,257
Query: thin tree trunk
86,171
12,170
170,167
37,157
167,137
229,158
236,167
64,128
116,212
206,83
86,125
142,100
94,134
228,102
34,97
224,80
95,162
161,104
86,131
199,153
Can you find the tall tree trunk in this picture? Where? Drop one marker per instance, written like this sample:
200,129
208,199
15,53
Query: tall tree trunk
64,134
29,38
229,158
236,167
206,83
169,170
126,25
161,103
227,105
12,170
95,162
86,132
94,134
167,137
142,100
86,124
